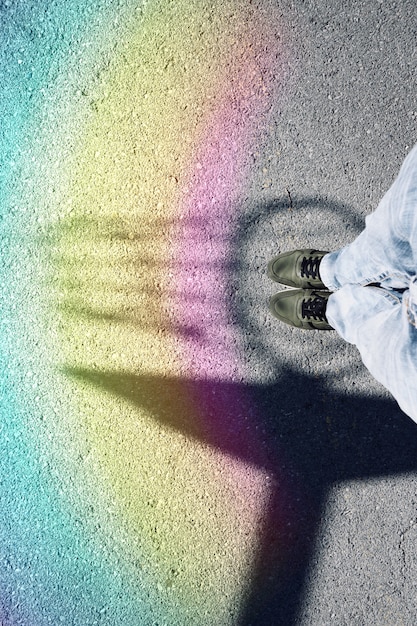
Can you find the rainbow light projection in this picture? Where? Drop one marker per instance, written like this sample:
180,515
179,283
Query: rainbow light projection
133,489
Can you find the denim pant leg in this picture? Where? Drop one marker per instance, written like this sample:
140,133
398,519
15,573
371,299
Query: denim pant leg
386,251
381,322
383,326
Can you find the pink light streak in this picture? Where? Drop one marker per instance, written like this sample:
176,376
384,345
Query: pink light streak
210,204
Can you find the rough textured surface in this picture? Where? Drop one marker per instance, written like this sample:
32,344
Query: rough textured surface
169,454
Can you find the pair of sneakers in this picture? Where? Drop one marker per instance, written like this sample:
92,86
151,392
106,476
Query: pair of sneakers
304,306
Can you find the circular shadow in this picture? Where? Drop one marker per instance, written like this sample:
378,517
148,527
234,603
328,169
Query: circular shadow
261,233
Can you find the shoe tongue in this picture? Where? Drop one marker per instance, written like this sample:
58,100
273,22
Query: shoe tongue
300,306
309,304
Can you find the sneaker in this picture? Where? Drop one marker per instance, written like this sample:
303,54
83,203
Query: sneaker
303,308
299,268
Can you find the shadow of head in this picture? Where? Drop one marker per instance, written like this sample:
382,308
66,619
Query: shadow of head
262,233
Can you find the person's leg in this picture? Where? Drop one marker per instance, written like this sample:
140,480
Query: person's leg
382,324
386,251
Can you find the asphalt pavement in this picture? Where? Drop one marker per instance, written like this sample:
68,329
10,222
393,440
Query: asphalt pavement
84,538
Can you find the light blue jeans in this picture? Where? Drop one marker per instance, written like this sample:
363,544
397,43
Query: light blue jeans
381,321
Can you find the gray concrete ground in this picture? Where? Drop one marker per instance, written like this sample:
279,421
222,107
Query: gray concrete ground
337,140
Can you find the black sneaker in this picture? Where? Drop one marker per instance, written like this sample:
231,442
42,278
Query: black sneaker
303,308
299,268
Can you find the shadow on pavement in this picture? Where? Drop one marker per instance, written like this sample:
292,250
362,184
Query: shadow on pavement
303,458
302,455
